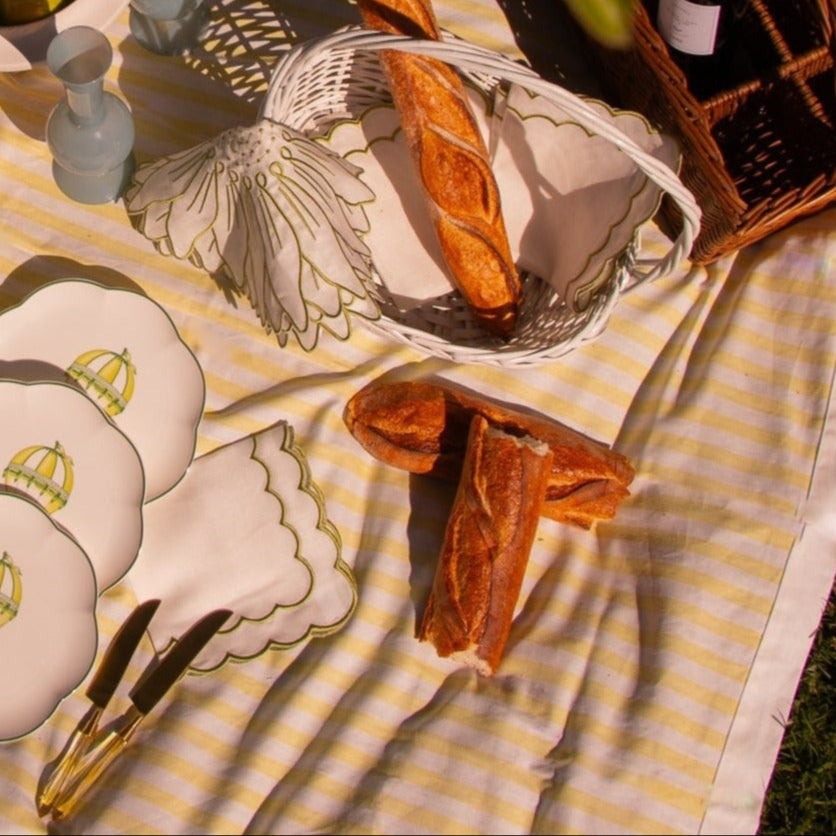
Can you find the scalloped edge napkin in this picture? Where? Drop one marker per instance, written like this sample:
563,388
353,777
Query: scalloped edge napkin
246,529
571,200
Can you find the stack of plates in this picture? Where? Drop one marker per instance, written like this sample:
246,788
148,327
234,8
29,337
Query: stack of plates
100,400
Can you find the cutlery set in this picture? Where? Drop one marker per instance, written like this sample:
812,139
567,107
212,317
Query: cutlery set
89,750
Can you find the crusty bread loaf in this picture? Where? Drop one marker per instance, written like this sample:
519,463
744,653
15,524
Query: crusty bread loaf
422,426
452,165
486,546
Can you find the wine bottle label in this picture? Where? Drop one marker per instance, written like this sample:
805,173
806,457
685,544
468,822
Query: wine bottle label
689,27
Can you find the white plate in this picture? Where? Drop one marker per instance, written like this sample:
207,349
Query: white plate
24,45
123,349
58,448
48,636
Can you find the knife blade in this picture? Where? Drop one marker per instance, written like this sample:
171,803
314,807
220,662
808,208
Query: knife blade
99,691
147,692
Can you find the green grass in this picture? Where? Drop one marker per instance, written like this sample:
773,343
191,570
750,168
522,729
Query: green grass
801,797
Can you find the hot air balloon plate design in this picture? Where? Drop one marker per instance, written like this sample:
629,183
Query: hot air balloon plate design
48,599
121,349
59,450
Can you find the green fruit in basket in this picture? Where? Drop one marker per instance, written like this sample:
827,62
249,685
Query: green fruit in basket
608,21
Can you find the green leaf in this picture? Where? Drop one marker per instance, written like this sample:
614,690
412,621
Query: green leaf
608,21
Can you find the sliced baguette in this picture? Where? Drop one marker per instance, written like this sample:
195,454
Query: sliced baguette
486,546
422,426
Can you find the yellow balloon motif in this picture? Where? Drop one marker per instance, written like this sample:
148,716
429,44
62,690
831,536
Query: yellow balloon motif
34,469
99,370
9,580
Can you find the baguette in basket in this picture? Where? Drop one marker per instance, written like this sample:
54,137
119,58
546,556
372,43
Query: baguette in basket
422,426
452,165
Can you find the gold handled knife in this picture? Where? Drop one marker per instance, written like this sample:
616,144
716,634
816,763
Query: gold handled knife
101,688
144,695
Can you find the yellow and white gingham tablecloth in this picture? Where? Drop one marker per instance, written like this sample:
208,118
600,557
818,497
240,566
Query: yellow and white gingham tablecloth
651,659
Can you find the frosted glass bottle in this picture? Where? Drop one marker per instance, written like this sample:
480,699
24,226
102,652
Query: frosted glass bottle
90,133
168,27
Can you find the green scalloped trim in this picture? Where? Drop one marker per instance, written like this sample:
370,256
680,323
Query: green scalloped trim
308,486
582,294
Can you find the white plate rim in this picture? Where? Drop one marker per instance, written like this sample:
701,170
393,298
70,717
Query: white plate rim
18,43
102,424
85,665
28,305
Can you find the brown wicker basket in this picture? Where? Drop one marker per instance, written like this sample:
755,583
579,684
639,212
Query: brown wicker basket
759,154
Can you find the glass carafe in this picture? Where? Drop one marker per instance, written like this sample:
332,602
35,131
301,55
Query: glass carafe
90,133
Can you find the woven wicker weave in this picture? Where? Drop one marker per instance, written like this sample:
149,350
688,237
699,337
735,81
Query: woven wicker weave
759,154
339,76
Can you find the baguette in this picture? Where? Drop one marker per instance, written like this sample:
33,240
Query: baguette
486,546
452,164
422,426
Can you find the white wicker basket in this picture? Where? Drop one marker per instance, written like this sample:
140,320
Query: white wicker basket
339,76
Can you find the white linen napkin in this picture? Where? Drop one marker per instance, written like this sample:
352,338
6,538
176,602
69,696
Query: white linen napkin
246,529
572,201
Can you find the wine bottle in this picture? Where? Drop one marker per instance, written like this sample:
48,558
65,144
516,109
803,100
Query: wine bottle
697,35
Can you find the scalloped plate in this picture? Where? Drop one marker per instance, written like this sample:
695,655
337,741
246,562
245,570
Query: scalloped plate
48,634
125,353
58,448
24,45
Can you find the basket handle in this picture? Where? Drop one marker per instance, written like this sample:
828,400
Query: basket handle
469,56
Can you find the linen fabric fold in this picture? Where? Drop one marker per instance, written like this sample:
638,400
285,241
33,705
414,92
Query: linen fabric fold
246,529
